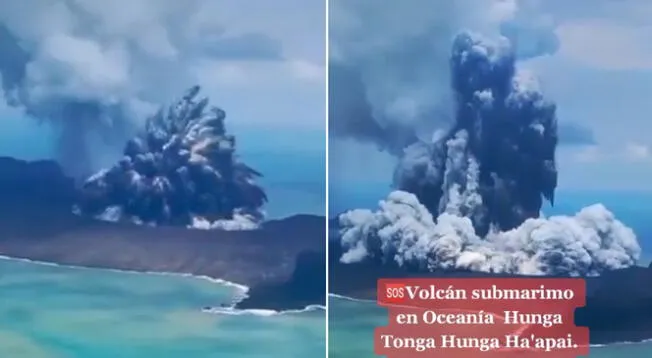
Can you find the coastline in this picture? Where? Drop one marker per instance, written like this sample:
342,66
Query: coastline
88,312
241,290
271,263
282,263
218,281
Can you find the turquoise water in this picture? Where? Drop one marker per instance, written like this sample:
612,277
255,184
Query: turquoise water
352,323
60,312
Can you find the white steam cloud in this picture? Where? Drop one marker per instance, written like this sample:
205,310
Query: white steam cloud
405,232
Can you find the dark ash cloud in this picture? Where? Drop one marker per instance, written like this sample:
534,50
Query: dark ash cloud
182,169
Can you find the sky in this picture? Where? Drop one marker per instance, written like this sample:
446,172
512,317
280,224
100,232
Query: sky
593,58
261,53
262,62
601,78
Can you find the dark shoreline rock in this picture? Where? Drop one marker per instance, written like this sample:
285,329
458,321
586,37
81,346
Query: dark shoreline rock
618,309
297,293
275,261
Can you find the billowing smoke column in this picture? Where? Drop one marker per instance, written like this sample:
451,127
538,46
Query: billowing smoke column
471,197
51,98
181,170
497,160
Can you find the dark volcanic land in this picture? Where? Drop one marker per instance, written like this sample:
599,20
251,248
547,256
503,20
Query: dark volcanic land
619,303
283,263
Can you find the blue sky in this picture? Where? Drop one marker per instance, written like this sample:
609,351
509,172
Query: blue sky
601,78
598,69
262,61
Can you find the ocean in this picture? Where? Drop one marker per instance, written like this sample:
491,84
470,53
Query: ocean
49,311
352,323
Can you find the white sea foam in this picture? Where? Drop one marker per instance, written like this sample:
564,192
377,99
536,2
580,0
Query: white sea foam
347,298
261,312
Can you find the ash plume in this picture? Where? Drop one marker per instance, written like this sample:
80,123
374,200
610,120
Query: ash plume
180,170
500,152
470,197
80,114
389,76
88,71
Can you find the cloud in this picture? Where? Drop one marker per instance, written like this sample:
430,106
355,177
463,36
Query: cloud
631,152
86,37
390,76
403,232
250,46
96,70
5,109
247,74
588,154
307,71
73,66
606,44
637,152
529,28
226,73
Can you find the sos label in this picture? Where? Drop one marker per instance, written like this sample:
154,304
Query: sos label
394,292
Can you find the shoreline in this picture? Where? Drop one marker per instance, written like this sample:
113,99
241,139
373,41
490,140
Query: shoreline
267,266
231,310
220,281
283,262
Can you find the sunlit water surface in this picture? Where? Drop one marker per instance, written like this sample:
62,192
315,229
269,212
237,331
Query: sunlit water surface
60,312
352,326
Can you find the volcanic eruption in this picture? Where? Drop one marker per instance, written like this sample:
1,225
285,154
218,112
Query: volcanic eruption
181,169
471,196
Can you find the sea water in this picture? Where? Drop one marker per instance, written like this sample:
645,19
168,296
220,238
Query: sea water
352,322
49,311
